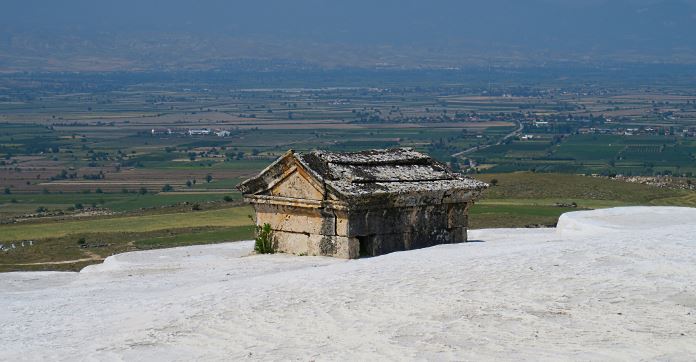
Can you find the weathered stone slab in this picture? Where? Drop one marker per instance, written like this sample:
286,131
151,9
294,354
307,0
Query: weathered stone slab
317,245
296,219
400,220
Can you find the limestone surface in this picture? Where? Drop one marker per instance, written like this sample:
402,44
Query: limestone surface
513,294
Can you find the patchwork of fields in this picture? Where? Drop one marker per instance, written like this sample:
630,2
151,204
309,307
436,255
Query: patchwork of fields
86,175
594,154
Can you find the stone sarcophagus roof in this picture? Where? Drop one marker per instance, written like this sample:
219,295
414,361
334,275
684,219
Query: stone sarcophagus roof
392,177
362,203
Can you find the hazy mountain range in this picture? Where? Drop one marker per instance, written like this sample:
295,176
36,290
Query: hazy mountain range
209,34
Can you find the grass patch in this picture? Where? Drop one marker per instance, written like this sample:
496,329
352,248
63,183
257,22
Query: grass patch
514,216
527,185
206,237
73,252
229,217
528,199
26,202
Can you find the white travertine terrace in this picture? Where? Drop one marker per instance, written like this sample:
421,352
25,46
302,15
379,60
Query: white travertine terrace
515,294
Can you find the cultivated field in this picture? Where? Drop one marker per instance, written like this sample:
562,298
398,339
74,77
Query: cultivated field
86,173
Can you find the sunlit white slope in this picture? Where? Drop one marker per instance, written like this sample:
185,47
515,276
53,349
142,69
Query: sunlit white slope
577,293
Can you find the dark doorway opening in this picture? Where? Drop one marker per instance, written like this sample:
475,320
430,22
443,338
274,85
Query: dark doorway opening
366,247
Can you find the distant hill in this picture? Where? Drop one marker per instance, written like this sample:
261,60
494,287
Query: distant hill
126,35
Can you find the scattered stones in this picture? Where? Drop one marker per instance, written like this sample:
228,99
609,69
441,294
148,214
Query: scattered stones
17,245
663,182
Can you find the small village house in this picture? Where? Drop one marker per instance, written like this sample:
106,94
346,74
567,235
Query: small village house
199,132
366,203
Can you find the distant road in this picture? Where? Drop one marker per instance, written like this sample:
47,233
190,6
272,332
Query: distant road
520,128
92,257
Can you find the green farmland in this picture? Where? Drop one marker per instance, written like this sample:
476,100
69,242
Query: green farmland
593,154
84,175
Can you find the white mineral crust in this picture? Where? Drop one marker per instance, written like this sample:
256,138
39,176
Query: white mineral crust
616,284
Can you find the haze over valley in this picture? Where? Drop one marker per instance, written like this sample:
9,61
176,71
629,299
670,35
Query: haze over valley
40,35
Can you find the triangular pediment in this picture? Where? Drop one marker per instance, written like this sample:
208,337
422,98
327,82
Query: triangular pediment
287,177
296,185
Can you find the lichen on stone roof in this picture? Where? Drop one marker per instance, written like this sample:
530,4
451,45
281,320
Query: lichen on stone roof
391,188
372,174
389,171
374,157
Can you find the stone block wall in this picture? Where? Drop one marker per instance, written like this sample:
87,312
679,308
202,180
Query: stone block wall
369,232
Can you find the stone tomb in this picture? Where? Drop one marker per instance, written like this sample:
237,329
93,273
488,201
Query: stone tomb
365,203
